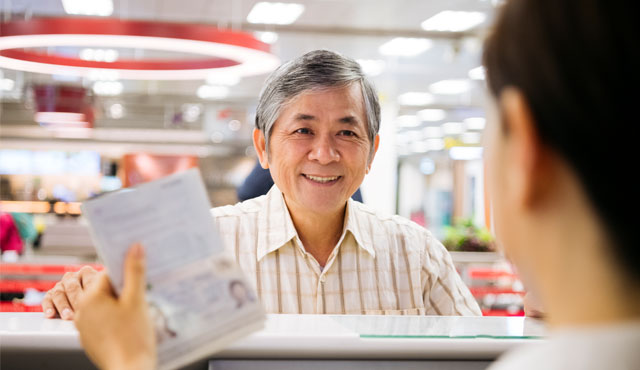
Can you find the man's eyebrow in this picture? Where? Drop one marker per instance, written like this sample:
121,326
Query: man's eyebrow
304,117
351,120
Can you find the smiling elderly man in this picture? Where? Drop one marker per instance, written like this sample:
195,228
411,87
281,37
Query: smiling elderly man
306,245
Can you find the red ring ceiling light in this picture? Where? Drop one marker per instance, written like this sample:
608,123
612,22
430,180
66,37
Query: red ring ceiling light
223,51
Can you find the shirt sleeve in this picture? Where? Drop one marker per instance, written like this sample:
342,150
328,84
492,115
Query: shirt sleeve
444,292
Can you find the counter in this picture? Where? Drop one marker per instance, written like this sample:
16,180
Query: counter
28,340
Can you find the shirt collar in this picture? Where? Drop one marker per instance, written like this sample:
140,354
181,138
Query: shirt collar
357,223
276,228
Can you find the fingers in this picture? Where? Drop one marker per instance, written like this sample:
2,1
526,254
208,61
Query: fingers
87,276
134,275
102,284
72,288
48,308
100,289
66,294
57,300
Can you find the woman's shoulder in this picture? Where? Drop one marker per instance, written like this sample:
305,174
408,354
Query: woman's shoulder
611,347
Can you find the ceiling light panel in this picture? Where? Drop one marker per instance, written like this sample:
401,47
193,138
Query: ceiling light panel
453,21
415,98
407,121
267,37
372,67
432,115
450,87
477,73
475,123
107,88
405,46
211,92
275,13
101,8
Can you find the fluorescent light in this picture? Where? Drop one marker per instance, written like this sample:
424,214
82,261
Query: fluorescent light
435,144
101,8
477,73
99,55
450,87
419,147
415,98
405,46
275,13
228,79
407,121
432,132
470,138
266,36
107,88
116,111
475,123
404,137
465,153
453,21
432,115
7,84
372,67
427,145
211,92
452,128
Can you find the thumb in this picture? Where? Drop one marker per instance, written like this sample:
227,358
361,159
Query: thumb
134,275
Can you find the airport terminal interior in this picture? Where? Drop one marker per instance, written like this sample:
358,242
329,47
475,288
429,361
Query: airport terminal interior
68,135
83,114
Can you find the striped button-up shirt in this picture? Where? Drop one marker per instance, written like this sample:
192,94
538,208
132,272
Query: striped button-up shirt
381,264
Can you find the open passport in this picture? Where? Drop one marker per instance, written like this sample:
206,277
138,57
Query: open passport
198,297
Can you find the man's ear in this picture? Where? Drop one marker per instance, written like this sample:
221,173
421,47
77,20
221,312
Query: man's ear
528,167
260,145
376,143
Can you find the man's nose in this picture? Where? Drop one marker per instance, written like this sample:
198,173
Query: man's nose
324,150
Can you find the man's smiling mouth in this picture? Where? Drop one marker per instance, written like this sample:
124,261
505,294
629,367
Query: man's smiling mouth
322,179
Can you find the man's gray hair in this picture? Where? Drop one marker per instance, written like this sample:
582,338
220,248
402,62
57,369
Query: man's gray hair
315,70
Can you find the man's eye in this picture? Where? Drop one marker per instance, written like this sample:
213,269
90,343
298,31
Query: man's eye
302,131
347,133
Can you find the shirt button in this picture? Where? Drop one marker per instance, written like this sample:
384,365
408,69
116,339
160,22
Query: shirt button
323,278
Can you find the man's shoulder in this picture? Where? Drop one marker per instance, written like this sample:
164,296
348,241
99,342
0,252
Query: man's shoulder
249,206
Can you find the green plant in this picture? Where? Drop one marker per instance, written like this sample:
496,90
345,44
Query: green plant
467,237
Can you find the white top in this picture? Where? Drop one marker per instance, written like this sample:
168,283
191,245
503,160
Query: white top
382,264
615,347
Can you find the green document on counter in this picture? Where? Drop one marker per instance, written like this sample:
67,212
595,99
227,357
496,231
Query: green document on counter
197,294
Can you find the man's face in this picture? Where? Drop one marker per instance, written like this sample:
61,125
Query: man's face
319,149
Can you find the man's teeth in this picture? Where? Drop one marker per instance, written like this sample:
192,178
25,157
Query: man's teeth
322,179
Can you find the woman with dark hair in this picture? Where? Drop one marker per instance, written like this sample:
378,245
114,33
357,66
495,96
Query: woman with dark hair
563,75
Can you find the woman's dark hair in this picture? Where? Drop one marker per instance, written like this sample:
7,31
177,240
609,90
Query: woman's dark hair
577,63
